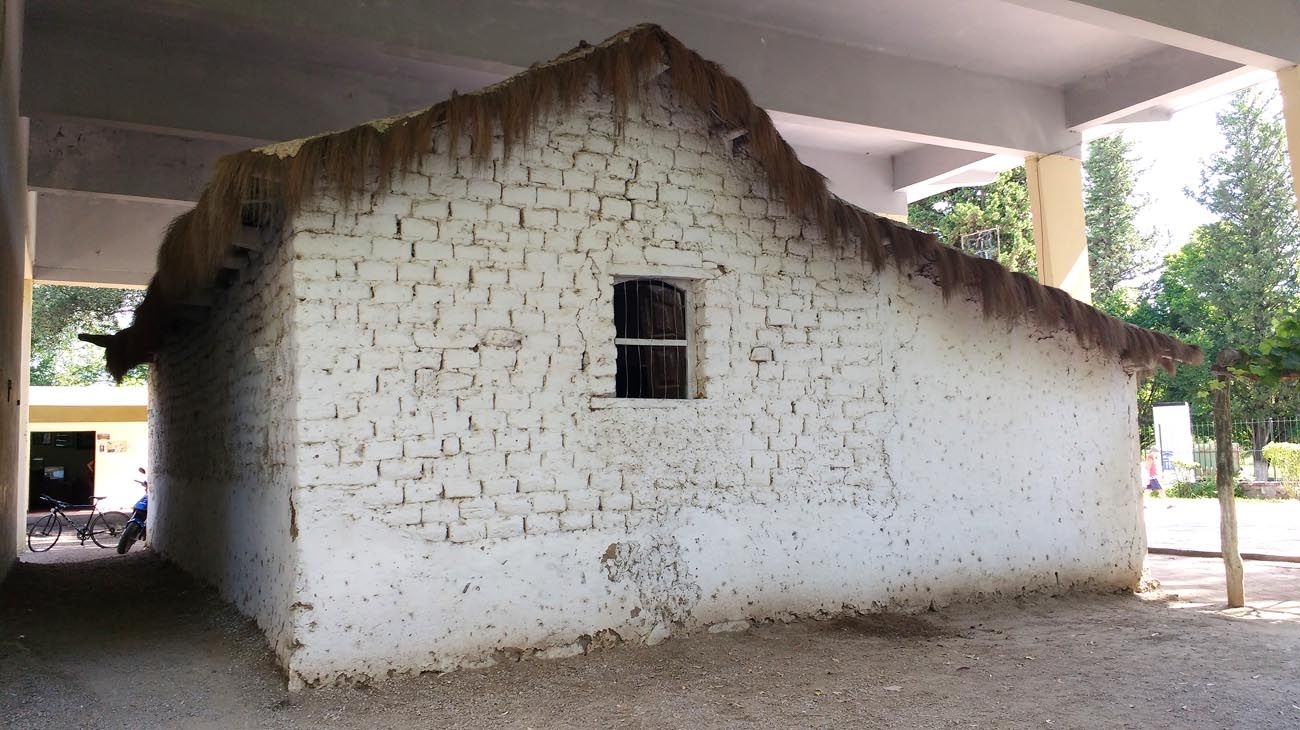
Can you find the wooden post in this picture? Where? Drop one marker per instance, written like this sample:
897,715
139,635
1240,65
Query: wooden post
1225,482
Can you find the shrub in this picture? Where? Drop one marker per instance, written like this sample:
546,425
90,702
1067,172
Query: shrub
1203,489
1192,490
1284,457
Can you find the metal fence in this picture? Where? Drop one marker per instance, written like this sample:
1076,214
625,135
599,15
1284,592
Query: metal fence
1248,439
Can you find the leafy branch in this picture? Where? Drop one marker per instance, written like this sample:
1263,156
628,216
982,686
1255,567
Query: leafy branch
1275,360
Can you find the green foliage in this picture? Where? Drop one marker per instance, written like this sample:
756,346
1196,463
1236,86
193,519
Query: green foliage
1246,272
59,313
1002,204
1236,276
1284,457
1201,489
1111,206
1277,358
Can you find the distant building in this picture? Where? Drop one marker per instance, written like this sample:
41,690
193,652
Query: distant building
87,441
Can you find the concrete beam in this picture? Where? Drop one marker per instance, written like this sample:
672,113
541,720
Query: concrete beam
929,163
83,156
97,239
1261,33
202,68
119,62
862,180
1124,90
1155,114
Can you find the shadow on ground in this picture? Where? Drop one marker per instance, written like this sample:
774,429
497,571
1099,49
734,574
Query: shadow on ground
1272,589
130,642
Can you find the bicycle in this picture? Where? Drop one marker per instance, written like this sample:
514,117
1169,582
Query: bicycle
102,528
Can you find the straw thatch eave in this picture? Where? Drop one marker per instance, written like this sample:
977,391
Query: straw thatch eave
261,186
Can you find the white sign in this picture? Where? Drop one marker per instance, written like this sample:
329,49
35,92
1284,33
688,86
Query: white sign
1173,432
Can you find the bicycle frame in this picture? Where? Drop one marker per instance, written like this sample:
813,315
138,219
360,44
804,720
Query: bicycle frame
102,528
83,531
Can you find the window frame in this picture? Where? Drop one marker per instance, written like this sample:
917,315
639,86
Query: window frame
687,287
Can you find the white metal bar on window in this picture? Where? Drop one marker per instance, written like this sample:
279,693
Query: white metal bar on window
639,341
636,352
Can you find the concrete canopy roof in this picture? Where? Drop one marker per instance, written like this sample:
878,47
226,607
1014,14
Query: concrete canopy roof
988,36
892,100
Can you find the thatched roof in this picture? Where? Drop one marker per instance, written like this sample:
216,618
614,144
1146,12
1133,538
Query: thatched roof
262,186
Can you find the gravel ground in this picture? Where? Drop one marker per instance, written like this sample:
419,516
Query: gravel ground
130,642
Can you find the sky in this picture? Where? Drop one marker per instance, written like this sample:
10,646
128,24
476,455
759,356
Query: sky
1172,154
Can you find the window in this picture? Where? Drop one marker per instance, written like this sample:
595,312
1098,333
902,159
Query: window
652,335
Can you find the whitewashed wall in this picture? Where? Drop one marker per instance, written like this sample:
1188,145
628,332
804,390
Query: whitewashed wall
470,490
221,419
393,444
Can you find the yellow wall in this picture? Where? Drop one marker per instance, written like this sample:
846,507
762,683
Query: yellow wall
116,470
1056,204
87,414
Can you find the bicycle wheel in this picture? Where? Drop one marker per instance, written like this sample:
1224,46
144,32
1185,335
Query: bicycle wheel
43,533
107,527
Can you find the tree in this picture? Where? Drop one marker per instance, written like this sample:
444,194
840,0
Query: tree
1237,275
58,314
1002,205
1110,208
1173,305
1251,253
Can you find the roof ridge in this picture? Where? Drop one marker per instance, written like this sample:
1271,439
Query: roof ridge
266,183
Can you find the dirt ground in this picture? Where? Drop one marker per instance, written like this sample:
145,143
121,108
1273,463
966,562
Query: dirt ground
129,642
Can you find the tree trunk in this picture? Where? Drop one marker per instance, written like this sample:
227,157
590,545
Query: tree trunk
1261,432
1225,483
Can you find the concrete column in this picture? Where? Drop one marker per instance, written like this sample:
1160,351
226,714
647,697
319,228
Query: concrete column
1056,203
1288,82
14,254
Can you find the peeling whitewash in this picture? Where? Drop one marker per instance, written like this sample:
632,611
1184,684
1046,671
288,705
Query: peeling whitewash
463,487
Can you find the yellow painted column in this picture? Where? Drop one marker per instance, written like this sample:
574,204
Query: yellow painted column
1288,82
1056,203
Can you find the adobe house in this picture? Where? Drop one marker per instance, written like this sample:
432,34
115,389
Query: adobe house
590,356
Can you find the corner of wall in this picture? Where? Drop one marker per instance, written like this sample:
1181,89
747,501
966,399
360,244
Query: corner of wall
13,282
294,559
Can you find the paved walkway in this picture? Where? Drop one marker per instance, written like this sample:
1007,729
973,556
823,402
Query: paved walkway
1193,524
1272,589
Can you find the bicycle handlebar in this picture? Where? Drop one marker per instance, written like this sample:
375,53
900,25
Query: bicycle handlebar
66,505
